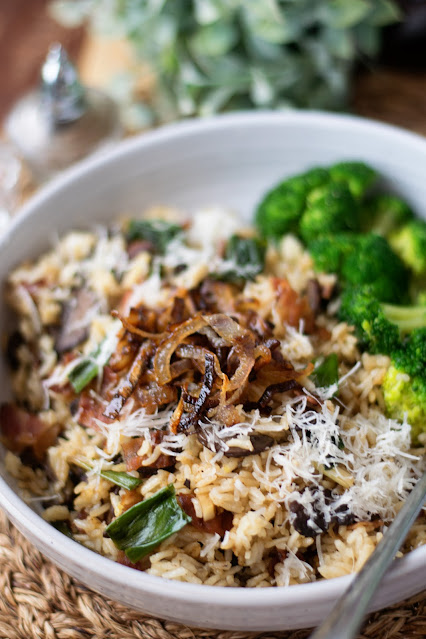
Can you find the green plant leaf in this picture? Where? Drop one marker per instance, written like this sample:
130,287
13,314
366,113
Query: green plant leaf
341,14
244,259
124,480
384,12
63,527
89,367
213,40
327,373
367,39
268,22
157,232
144,526
340,42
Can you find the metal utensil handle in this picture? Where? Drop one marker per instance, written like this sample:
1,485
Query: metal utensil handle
346,617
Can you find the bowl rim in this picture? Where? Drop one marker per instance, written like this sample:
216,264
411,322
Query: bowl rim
84,558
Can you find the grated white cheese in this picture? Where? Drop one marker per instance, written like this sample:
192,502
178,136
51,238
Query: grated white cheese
383,471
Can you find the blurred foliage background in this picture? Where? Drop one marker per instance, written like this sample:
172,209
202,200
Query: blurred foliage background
217,55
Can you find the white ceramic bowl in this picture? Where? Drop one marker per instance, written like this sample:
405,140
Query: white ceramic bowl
229,160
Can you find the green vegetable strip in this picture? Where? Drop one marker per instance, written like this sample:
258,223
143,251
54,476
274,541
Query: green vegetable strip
327,373
144,526
246,259
124,480
63,527
89,367
157,232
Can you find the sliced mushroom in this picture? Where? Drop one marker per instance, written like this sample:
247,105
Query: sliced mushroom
259,443
76,318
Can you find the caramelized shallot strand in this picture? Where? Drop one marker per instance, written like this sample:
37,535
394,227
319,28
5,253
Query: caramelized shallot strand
137,331
128,385
199,353
168,346
190,419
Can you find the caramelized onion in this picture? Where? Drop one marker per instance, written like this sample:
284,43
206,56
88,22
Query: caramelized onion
128,385
170,343
137,331
199,354
190,419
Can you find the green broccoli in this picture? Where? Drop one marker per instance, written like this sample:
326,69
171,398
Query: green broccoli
373,263
330,209
372,327
420,298
330,251
357,175
379,326
405,397
362,260
411,357
281,208
409,243
318,201
384,213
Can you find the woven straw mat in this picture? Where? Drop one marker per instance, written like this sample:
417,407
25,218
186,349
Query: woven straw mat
38,601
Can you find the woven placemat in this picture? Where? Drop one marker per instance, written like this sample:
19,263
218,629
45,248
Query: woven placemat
39,601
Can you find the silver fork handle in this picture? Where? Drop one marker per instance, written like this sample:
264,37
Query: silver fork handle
347,616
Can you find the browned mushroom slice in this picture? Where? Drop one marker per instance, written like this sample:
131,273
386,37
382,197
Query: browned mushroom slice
259,443
76,318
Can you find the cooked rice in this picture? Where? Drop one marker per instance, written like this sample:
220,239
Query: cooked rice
371,477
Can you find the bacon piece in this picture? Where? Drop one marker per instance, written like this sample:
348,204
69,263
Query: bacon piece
90,410
291,308
20,429
123,559
219,524
134,461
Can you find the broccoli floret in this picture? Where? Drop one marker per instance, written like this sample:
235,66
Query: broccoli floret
330,209
411,357
362,260
330,251
376,265
357,175
409,243
372,327
420,298
379,326
280,210
385,213
405,397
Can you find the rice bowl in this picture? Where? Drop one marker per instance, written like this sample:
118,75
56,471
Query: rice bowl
287,577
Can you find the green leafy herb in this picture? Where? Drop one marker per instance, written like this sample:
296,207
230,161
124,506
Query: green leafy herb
89,367
141,528
245,258
124,480
157,232
327,373
63,527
